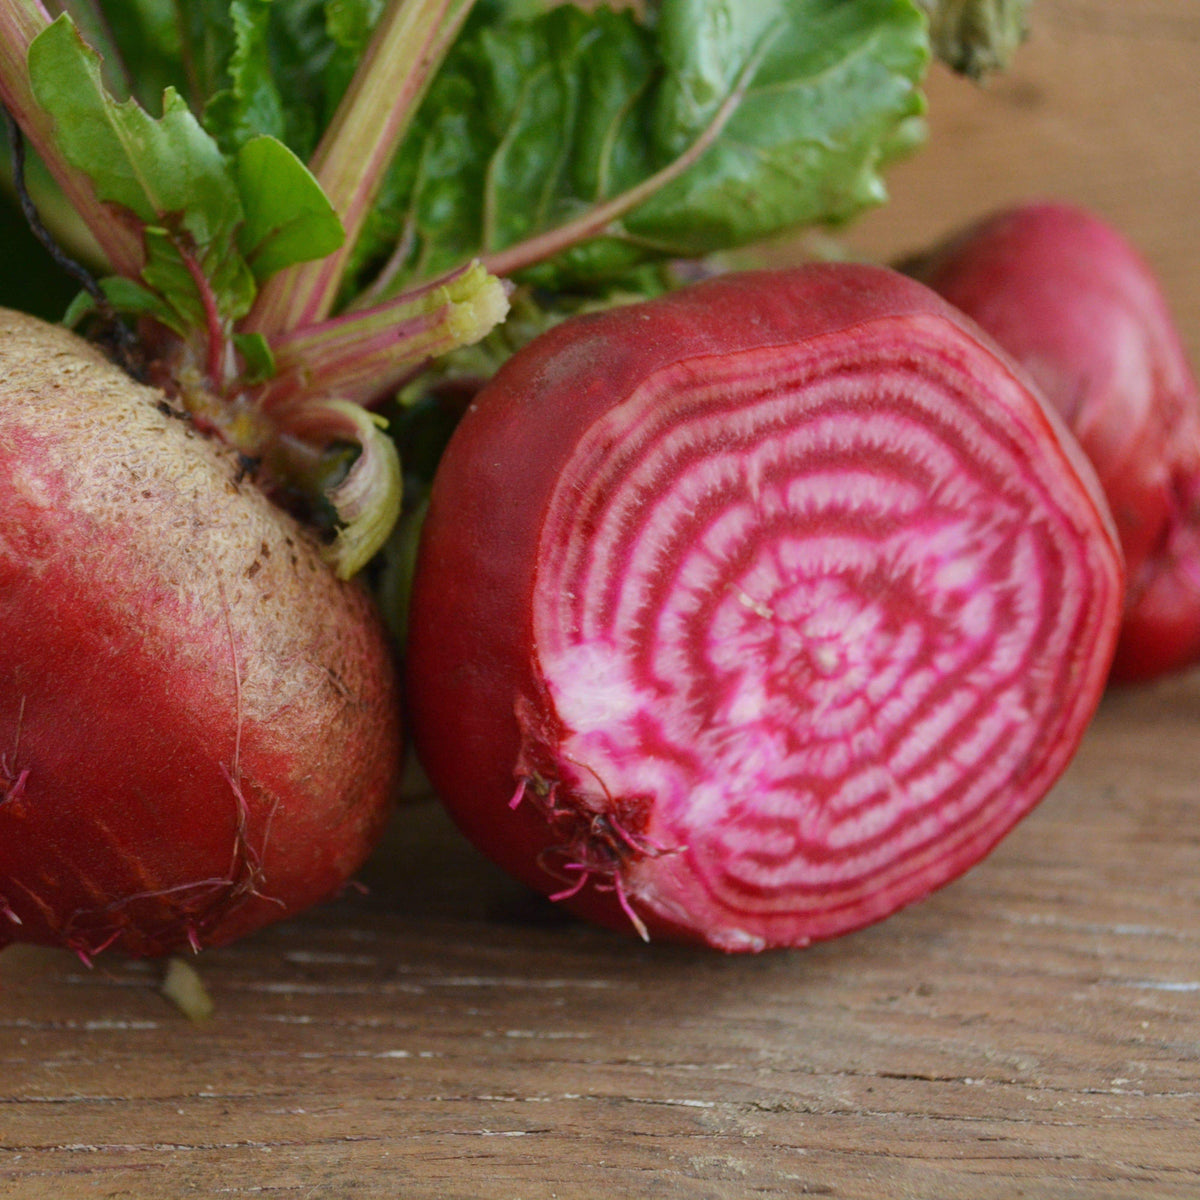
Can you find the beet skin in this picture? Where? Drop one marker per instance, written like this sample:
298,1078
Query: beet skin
199,728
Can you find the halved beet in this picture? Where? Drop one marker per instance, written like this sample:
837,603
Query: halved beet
755,612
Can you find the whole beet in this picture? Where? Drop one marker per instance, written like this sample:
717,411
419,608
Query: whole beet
1067,296
198,722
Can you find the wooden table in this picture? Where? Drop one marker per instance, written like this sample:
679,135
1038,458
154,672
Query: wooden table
1033,1030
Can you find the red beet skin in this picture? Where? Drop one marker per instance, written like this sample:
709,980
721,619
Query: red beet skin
1077,306
198,723
753,613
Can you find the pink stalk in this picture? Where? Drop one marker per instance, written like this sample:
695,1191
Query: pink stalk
412,38
362,355
368,499
214,331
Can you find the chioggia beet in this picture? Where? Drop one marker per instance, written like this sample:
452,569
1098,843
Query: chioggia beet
752,613
199,727
1079,308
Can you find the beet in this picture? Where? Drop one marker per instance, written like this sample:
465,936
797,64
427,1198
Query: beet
1068,296
749,614
199,726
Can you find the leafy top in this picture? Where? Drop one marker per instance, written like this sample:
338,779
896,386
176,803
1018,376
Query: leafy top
301,194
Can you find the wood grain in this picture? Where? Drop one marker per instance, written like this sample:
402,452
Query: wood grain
1032,1030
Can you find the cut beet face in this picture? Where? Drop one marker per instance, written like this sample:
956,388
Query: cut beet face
750,614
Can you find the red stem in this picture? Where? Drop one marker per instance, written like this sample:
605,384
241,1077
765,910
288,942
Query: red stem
409,43
212,319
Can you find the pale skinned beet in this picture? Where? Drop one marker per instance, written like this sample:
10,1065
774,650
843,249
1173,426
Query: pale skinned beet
199,727
753,613
1072,300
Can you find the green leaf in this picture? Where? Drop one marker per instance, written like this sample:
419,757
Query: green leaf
284,69
125,296
601,142
81,306
288,217
251,103
149,33
515,136
128,296
154,167
350,22
826,95
169,274
166,171
256,354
